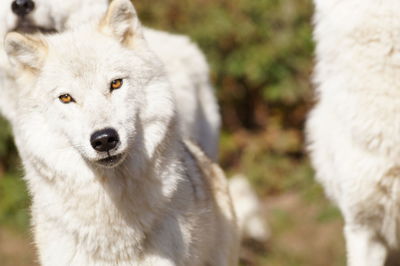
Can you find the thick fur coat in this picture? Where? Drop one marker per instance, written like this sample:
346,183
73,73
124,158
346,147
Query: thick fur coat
150,200
354,130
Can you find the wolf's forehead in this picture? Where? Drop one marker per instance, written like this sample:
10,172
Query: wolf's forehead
81,62
82,67
86,53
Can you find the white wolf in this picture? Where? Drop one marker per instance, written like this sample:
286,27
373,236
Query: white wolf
111,181
354,130
185,64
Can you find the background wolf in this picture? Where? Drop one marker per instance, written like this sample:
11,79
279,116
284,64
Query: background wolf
353,131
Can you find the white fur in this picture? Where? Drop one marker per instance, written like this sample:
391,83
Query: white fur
185,64
164,204
354,130
248,209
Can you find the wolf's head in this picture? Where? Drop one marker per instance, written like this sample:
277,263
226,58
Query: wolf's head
47,15
96,90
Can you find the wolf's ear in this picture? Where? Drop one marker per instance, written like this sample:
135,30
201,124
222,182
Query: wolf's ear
27,52
121,21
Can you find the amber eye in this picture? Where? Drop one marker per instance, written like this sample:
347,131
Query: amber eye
116,84
66,98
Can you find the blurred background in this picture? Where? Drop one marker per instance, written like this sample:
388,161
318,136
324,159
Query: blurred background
260,52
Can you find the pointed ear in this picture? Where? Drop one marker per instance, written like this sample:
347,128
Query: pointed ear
121,22
27,52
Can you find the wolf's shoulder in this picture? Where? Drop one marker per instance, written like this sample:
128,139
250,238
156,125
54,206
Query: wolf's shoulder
176,46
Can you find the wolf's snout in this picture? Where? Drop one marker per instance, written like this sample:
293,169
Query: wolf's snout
104,140
22,7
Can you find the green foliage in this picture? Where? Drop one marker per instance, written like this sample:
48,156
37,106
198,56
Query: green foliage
13,202
260,51
4,137
8,158
261,59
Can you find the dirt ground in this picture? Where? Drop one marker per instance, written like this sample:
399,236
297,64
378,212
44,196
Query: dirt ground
16,249
303,233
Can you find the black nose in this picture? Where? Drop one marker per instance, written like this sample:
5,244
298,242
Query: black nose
105,139
22,7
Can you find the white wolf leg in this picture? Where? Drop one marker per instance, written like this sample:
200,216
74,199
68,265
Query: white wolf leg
248,209
363,247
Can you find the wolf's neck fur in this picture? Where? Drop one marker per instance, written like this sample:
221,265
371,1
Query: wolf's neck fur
106,213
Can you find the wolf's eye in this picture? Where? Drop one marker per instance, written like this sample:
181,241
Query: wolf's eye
66,98
116,84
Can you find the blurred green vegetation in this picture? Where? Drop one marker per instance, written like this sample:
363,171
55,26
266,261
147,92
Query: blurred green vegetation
260,52
13,196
